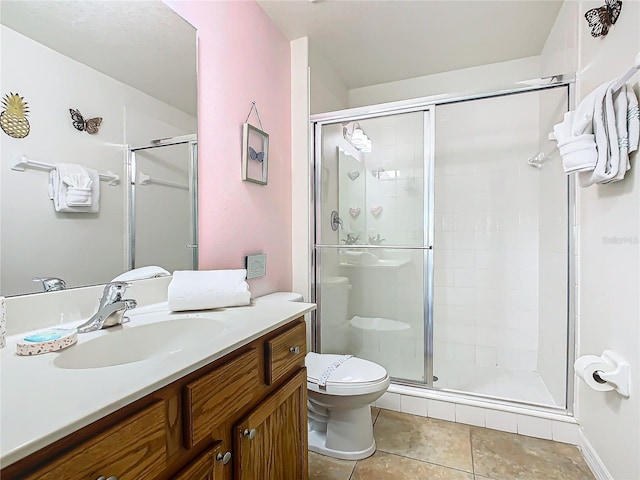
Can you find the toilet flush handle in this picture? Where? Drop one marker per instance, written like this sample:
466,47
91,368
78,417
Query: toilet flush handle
295,349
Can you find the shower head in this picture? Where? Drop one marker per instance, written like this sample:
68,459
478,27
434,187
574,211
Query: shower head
538,159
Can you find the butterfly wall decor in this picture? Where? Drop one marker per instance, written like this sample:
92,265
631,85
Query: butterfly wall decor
90,125
601,18
257,156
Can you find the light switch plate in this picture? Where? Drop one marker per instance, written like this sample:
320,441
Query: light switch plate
256,265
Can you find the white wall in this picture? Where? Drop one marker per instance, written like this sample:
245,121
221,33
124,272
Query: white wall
609,257
328,90
485,78
560,51
300,170
36,239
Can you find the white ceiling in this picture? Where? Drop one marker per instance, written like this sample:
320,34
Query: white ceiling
127,40
369,42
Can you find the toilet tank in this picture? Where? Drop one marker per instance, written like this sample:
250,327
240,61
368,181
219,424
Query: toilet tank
280,297
334,298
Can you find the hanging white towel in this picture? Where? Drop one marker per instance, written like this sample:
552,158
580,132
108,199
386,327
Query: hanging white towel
620,125
595,141
604,128
576,135
205,289
74,188
620,105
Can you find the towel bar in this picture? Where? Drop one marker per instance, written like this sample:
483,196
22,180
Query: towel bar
110,177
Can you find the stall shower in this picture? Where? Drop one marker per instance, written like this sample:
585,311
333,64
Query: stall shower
162,203
442,252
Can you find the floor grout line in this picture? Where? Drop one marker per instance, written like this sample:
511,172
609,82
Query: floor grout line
353,470
473,462
425,461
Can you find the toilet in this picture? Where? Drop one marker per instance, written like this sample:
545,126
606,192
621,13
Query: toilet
340,389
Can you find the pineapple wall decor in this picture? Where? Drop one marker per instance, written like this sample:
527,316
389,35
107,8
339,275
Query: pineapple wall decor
13,118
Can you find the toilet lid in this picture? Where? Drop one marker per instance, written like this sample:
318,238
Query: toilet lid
353,371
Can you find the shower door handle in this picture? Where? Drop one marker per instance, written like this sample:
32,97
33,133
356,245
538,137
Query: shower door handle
335,221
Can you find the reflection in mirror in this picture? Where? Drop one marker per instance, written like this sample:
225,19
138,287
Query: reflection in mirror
133,64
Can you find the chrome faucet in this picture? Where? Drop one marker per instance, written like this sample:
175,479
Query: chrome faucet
111,309
51,284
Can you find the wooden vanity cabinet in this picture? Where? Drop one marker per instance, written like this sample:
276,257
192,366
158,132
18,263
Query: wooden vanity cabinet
205,467
268,441
244,416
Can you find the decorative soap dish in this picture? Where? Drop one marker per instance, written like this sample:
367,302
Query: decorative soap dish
46,341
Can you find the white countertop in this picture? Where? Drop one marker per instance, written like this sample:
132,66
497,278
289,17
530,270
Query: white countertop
41,403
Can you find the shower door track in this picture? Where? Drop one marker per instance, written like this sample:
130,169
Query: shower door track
427,104
419,104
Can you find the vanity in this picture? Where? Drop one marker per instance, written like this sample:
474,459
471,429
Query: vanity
232,404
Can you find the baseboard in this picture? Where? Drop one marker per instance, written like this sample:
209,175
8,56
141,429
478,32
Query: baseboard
592,459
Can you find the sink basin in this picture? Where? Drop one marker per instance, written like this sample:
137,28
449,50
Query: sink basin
131,343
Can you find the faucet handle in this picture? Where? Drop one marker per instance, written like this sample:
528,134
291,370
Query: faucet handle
114,291
51,284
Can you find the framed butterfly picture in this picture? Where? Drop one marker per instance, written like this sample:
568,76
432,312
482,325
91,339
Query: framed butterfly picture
255,154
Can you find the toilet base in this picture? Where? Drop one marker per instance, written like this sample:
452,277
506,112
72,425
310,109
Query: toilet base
344,433
318,444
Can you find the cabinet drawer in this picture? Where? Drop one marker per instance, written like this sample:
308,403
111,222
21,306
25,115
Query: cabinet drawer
134,449
285,353
220,394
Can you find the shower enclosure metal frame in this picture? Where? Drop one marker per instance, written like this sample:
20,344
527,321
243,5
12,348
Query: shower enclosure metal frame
192,142
428,106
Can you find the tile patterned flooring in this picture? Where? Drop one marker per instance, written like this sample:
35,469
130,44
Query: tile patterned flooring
419,448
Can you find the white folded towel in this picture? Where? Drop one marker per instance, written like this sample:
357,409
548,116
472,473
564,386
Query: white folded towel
205,289
74,188
141,273
578,150
577,131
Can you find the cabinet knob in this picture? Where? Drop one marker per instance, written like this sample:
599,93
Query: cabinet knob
295,349
249,433
224,458
109,478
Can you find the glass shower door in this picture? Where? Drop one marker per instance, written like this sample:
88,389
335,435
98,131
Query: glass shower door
163,207
501,241
372,241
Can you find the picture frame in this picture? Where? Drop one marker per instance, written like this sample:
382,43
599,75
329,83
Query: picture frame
255,154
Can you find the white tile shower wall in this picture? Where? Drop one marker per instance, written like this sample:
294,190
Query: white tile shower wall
486,234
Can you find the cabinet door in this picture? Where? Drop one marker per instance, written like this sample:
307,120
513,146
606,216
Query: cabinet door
207,466
134,449
271,442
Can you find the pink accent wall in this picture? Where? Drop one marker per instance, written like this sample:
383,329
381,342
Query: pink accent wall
242,57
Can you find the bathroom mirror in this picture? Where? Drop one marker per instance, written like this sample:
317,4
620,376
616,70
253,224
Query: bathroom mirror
131,63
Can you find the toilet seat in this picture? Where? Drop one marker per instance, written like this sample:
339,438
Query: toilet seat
354,376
